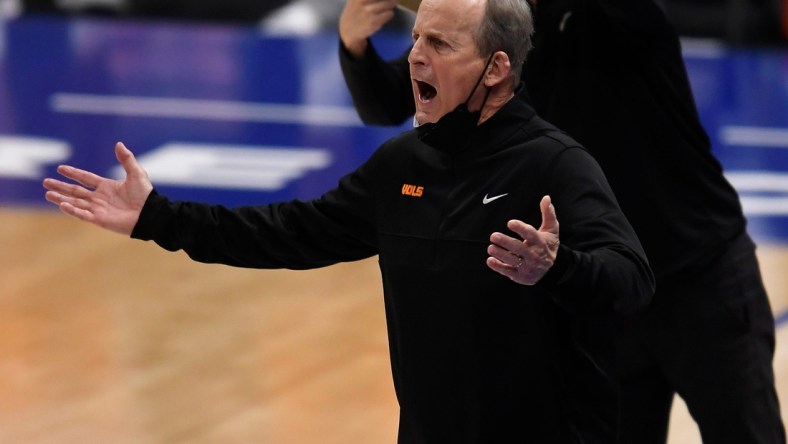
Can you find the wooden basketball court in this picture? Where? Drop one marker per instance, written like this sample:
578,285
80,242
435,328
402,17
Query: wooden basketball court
110,340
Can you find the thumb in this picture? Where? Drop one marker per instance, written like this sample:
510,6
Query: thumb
128,161
549,219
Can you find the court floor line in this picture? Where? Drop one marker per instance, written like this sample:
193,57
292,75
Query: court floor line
180,108
755,136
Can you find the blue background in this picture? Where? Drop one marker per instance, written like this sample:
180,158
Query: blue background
44,58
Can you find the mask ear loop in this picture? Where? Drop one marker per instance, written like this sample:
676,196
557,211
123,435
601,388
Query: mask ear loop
478,82
416,124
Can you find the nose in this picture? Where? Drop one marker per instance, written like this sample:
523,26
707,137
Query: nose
416,55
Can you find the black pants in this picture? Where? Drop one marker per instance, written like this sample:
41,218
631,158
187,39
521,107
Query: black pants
710,338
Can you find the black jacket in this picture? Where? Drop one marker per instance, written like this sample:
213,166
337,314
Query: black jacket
476,358
610,73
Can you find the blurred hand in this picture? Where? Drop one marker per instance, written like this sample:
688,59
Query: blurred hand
360,20
114,205
528,259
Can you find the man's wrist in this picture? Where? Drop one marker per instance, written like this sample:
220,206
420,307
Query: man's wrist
356,49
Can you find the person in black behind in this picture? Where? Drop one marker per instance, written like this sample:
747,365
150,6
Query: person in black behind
493,337
611,74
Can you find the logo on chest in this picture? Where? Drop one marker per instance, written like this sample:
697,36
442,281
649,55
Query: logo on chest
412,190
487,199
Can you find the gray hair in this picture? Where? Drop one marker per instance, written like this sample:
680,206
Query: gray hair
507,26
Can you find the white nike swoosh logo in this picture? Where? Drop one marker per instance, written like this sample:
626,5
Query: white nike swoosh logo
487,200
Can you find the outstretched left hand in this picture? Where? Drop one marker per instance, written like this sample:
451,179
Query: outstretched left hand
528,259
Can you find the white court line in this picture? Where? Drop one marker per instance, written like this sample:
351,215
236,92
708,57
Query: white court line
749,182
764,206
754,136
179,108
702,48
229,166
26,157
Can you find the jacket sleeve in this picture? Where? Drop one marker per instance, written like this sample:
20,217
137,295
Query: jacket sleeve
601,268
381,90
337,227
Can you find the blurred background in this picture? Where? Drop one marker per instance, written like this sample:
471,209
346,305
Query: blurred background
739,22
105,340
285,16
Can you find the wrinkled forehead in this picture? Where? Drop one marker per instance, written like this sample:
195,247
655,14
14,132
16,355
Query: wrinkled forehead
450,17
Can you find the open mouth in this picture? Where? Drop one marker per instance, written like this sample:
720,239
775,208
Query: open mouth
426,91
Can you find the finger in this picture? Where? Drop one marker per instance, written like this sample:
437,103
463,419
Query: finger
85,178
501,268
79,213
549,218
383,16
56,185
381,5
505,256
526,231
508,243
51,184
379,20
66,189
54,197
377,17
59,199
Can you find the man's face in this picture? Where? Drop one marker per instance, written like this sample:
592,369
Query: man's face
444,62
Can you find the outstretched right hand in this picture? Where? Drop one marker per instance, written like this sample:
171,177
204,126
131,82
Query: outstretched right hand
111,204
362,18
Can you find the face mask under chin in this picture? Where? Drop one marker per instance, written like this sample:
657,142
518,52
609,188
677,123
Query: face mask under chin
454,131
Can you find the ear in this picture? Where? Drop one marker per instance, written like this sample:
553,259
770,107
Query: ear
499,71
